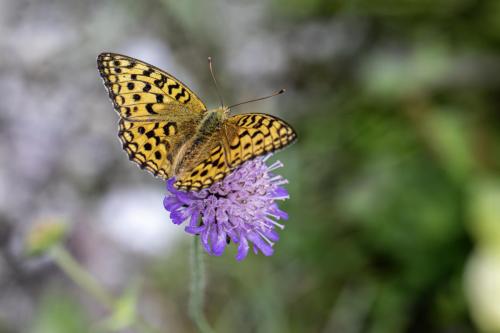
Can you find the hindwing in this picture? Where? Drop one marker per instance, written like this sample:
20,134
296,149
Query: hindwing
255,134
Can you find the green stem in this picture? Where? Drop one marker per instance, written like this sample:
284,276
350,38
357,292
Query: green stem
87,282
198,288
81,277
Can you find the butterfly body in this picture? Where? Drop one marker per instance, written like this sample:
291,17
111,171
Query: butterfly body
207,136
166,129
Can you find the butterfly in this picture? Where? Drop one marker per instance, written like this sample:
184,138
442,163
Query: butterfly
166,129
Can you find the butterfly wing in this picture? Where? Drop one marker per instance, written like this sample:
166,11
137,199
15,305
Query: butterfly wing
153,144
138,89
212,169
255,134
244,137
158,112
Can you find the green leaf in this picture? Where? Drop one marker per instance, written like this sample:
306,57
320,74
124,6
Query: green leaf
125,311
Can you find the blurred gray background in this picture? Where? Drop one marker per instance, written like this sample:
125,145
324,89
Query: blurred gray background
394,182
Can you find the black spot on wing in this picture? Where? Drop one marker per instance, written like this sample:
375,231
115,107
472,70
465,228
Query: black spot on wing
170,128
161,82
182,93
236,145
171,87
243,134
149,109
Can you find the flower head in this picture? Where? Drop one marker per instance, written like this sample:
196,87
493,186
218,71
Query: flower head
241,208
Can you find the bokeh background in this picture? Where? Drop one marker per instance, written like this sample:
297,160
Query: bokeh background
395,189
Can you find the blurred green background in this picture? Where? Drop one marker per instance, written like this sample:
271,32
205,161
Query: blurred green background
395,189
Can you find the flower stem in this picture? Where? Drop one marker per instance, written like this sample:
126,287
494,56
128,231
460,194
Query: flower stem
80,276
87,282
198,288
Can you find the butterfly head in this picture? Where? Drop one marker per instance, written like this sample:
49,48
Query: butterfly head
222,112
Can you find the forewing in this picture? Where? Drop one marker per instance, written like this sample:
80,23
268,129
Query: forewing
158,113
139,90
254,134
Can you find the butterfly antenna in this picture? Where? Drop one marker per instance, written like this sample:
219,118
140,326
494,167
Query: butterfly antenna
215,81
259,99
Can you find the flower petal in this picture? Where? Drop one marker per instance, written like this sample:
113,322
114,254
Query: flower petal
260,244
204,241
194,227
242,249
219,245
242,208
170,186
271,234
171,203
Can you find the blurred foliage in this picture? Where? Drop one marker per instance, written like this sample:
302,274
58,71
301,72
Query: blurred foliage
58,313
44,235
394,181
124,313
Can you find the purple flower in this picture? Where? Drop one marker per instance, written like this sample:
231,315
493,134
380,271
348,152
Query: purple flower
241,208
